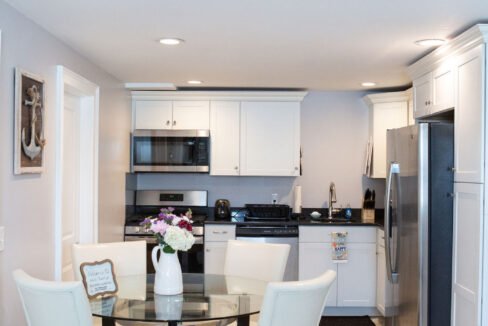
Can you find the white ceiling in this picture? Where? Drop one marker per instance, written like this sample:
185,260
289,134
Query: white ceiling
314,44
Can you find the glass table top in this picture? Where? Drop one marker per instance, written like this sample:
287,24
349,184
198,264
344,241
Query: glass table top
204,297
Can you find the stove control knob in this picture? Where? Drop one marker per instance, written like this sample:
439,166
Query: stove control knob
137,229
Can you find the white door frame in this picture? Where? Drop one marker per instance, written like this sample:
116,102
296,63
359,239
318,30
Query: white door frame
88,93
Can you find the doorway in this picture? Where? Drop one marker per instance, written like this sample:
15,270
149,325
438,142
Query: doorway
76,195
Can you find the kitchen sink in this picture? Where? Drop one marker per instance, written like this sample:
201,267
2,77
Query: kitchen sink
332,220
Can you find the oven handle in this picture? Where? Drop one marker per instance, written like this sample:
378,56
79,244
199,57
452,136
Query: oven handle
152,240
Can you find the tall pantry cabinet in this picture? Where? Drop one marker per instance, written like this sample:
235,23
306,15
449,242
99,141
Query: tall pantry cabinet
462,86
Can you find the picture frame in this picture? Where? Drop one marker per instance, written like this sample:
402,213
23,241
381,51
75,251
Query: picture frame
99,278
29,123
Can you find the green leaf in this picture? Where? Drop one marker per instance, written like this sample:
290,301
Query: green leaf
168,250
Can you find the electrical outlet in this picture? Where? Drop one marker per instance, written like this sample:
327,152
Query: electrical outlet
2,238
274,198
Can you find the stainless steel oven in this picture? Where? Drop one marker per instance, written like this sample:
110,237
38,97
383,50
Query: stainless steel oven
170,151
149,203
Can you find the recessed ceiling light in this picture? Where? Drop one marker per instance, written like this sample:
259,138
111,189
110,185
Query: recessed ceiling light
170,41
194,82
430,42
368,84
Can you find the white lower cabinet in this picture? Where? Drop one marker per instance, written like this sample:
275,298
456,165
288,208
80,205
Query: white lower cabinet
384,288
355,285
357,278
216,237
314,260
467,254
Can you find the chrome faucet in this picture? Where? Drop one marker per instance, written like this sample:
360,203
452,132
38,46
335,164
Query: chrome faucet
332,199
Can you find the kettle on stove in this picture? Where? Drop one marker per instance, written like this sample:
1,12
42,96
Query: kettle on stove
222,209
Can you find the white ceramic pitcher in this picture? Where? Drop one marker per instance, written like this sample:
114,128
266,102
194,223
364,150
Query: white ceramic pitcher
168,279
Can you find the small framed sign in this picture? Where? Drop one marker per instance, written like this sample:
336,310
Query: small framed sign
99,278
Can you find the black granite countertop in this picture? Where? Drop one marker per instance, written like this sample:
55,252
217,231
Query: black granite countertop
305,219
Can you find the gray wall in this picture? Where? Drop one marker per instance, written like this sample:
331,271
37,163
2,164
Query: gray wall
27,201
334,132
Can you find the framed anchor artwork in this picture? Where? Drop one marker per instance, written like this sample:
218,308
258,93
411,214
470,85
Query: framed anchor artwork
29,139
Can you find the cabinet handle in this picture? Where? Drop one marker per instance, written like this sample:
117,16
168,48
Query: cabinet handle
174,122
296,168
167,122
207,250
219,232
236,168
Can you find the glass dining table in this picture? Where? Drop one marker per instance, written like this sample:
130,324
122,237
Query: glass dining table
205,297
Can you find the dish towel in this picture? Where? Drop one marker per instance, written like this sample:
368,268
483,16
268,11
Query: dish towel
339,247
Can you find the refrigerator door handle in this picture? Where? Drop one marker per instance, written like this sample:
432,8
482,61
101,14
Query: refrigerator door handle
392,275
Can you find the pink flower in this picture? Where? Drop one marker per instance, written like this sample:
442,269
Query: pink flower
159,227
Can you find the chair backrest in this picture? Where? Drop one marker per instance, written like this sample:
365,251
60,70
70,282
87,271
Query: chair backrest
129,258
49,303
260,261
296,303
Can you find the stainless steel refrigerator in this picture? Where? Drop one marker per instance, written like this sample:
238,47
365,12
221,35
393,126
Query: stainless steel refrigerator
418,223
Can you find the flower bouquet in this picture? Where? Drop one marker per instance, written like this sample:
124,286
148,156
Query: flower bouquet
172,232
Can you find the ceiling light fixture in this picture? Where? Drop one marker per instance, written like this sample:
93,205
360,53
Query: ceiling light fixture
170,41
368,84
430,42
194,82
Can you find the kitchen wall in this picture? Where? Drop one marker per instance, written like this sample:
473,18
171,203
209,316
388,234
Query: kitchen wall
27,201
334,132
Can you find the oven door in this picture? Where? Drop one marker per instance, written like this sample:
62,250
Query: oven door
191,261
170,151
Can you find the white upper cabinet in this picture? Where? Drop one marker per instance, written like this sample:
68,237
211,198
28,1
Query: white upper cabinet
270,138
422,89
224,137
443,88
157,114
386,111
153,114
434,91
191,115
470,117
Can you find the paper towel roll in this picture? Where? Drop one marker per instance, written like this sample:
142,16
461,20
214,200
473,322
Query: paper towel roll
297,207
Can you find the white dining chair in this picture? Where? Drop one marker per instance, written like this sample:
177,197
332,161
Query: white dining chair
48,303
259,261
296,303
129,258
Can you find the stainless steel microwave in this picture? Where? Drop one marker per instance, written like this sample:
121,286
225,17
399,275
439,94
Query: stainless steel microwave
170,151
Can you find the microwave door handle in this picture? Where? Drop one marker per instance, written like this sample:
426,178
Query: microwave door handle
392,276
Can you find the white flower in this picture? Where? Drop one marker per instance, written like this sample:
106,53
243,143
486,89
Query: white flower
176,220
178,239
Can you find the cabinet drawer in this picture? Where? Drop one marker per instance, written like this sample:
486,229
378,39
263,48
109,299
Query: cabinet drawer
220,232
319,234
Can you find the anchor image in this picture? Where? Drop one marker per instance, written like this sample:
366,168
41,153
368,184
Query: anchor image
33,149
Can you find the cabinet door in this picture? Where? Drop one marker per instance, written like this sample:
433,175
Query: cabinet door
214,257
224,137
314,259
270,138
422,90
152,114
467,267
442,88
469,119
357,277
191,115
385,116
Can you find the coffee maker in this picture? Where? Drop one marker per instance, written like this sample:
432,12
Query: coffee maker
222,209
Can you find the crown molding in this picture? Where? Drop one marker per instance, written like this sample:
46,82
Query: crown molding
478,34
372,99
284,96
